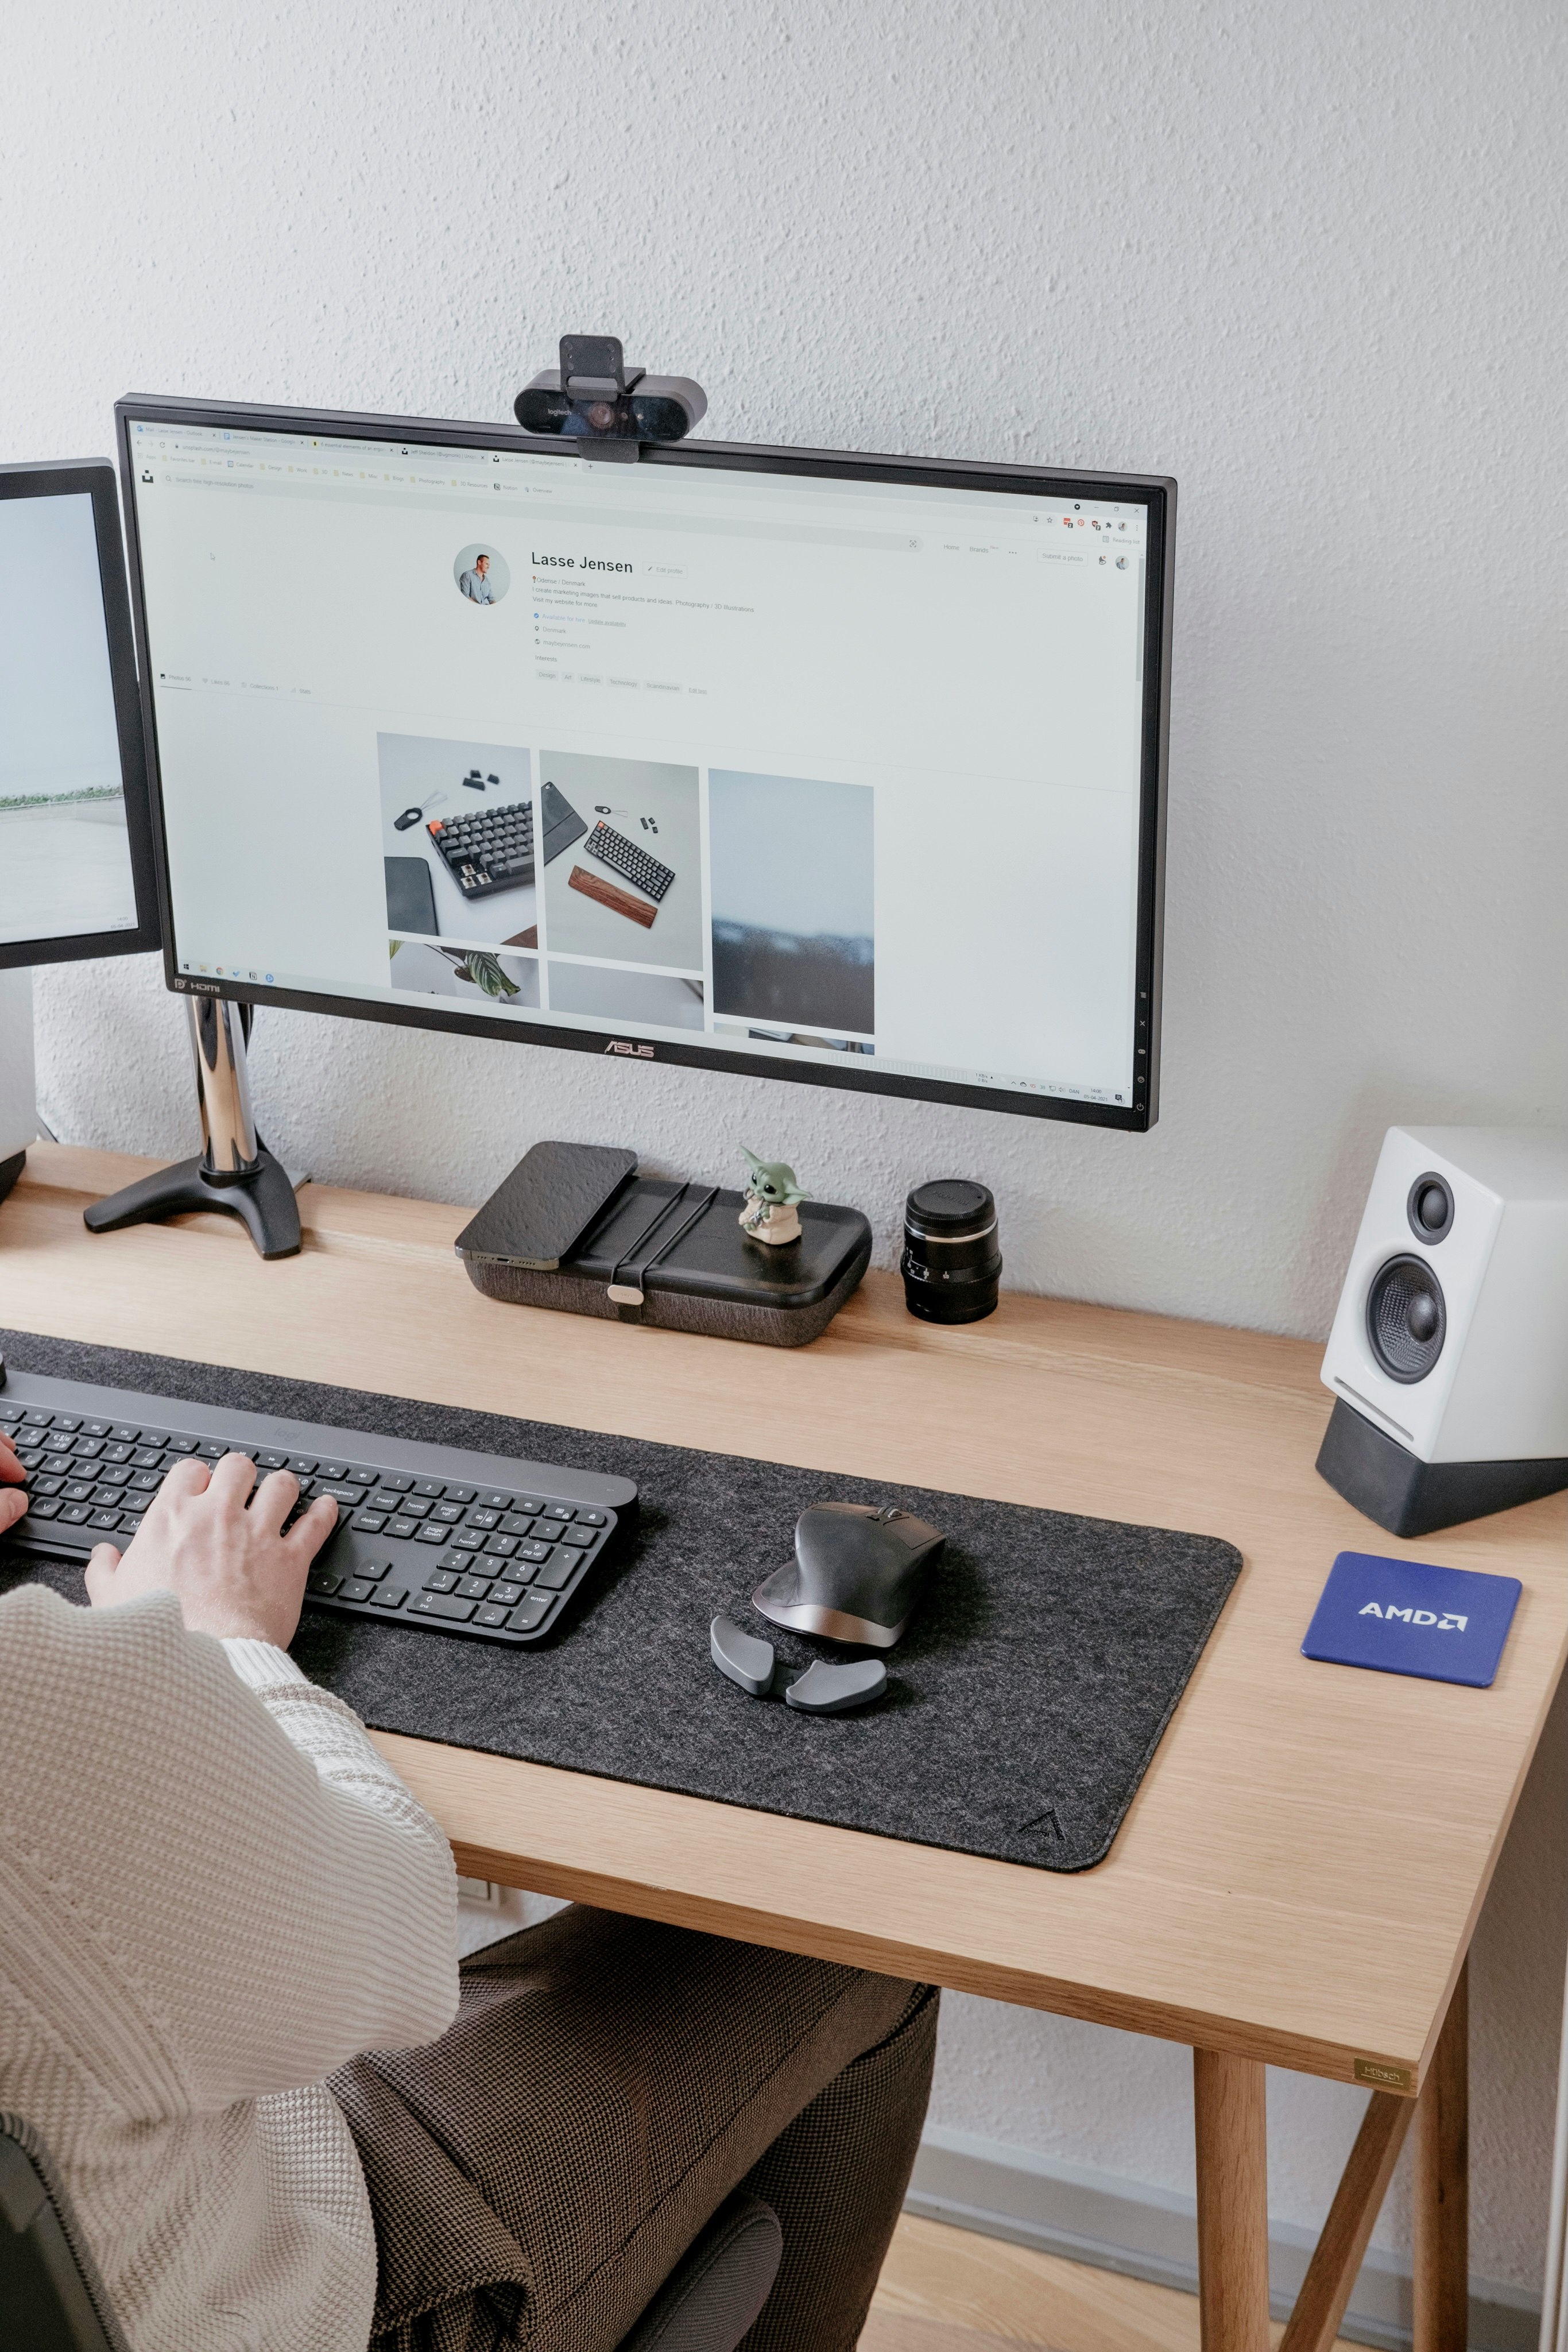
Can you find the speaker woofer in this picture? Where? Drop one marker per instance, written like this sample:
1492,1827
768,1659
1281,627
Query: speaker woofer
1406,1321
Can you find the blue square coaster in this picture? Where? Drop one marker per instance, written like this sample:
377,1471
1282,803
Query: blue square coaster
1406,1617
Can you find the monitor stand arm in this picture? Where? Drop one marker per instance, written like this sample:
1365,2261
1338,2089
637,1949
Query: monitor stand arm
234,1172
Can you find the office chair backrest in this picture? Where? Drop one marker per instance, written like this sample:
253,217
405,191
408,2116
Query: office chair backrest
51,2297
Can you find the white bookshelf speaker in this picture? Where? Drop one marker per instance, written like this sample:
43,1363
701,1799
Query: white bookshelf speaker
18,1104
1448,1356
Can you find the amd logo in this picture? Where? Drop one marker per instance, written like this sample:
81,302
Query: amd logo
636,1047
1449,1622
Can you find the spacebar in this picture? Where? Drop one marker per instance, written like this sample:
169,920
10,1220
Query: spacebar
74,1541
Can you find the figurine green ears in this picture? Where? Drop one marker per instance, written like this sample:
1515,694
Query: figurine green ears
771,1192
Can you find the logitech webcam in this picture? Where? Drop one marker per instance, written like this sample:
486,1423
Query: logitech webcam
594,397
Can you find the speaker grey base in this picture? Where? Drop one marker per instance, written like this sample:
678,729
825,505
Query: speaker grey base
10,1170
1412,1497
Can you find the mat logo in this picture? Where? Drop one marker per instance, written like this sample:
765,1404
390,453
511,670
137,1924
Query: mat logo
1450,1620
643,1053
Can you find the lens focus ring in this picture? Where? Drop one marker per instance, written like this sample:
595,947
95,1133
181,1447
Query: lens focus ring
1406,1320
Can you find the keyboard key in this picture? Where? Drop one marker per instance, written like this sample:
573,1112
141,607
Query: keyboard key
211,1450
58,1441
149,1479
443,1604
583,1536
79,1491
449,1513
332,1470
516,1524
373,1570
507,1595
9,1412
389,1596
490,1615
416,1507
108,1522
107,1497
158,1437
44,1485
471,1539
75,1515
460,1494
354,1588
441,1580
385,1498
37,1417
337,1489
530,1611
531,1504
432,1487
558,1511
556,1573
321,1579
88,1448
181,1446
118,1453
118,1474
369,1523
591,1519
272,1460
129,1521
396,1482
125,1432
402,1528
360,1478
473,1587
44,1507
484,1518
97,1428
503,1547
148,1458
533,1551
494,1502
303,1466
67,1421
433,1533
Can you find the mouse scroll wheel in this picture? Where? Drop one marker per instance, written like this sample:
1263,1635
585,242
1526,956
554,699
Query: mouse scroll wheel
887,1512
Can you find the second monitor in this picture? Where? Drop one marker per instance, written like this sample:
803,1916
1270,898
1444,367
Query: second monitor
831,767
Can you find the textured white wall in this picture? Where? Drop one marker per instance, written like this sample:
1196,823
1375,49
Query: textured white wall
1307,260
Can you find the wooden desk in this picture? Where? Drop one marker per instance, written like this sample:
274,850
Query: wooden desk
1298,1875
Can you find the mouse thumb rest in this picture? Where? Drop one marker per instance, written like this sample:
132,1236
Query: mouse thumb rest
777,1598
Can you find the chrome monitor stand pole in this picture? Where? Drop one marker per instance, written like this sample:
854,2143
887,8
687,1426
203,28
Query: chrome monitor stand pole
234,1171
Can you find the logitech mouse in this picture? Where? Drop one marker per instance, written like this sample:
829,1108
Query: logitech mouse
856,1575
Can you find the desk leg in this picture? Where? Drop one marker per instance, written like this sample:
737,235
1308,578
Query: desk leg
1232,2202
1442,2269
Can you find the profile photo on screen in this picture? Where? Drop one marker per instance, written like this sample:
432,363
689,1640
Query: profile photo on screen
481,574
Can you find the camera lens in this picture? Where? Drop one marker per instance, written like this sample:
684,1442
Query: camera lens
951,1263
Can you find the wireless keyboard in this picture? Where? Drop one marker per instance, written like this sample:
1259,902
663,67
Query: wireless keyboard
614,849
427,1535
489,850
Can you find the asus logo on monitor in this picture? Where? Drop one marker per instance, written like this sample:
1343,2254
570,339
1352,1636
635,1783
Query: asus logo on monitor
643,1053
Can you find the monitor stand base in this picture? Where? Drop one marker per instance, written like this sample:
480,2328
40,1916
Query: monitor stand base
263,1200
234,1172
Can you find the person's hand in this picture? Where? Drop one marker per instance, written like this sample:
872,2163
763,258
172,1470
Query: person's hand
233,1570
12,1504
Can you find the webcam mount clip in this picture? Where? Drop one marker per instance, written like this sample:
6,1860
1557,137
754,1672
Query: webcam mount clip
608,409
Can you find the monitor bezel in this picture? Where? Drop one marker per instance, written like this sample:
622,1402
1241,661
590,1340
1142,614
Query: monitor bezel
68,478
1155,492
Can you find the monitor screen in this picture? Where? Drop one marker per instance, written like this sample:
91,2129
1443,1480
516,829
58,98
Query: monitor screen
837,767
67,843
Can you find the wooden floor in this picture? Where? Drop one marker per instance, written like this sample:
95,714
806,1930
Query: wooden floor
944,2290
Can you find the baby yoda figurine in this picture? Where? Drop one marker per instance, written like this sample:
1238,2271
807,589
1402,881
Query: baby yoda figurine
771,1192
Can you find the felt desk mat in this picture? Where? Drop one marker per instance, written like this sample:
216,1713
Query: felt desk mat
1024,1705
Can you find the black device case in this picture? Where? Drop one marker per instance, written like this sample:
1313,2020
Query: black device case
575,1228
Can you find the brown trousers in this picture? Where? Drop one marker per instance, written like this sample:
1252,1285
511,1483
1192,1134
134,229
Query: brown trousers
536,2173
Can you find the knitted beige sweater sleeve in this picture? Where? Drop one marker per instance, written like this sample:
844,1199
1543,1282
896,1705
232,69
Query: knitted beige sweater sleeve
210,1896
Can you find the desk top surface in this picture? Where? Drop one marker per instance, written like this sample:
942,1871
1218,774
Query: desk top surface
1300,1871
